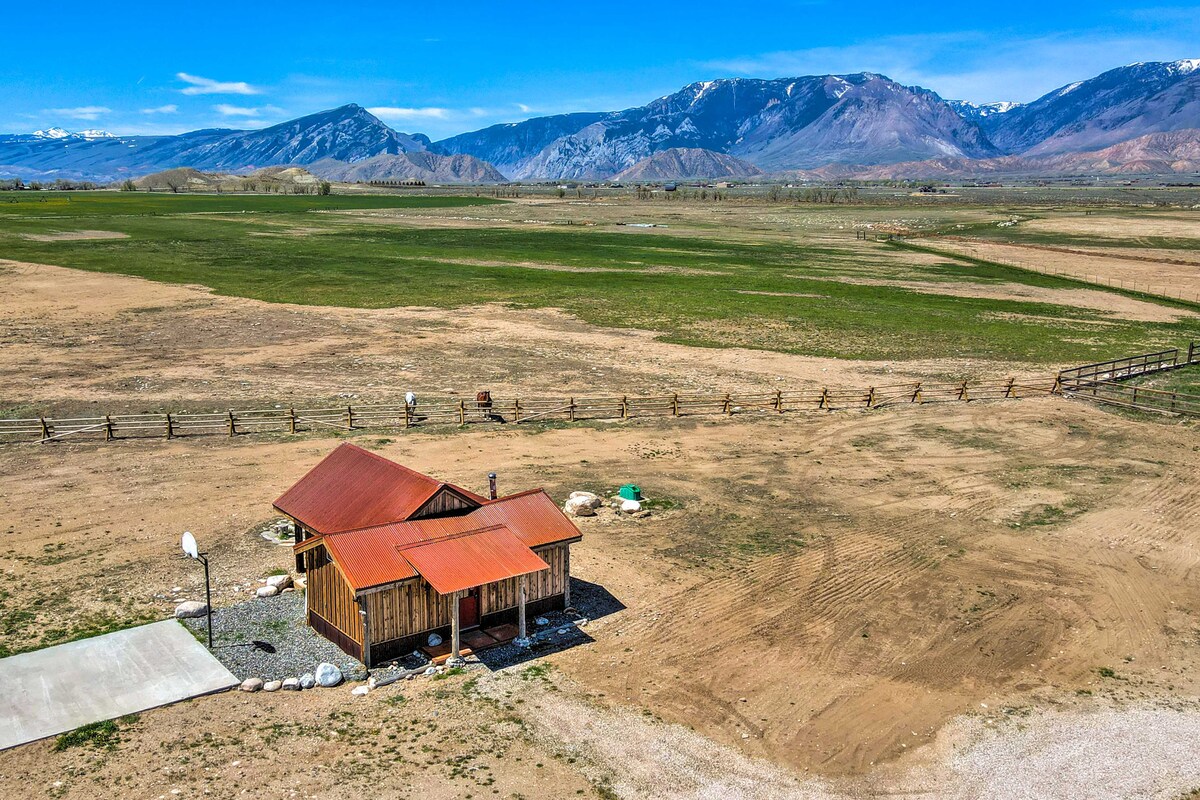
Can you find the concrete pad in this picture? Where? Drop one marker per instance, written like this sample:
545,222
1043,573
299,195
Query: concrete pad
51,691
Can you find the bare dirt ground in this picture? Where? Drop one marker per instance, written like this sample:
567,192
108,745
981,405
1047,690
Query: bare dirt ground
96,343
828,592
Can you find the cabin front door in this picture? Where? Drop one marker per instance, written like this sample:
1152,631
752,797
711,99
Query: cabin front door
468,610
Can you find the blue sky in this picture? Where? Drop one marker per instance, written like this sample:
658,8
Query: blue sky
135,67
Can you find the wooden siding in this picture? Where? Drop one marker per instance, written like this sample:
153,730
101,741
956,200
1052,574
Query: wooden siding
328,594
444,503
414,606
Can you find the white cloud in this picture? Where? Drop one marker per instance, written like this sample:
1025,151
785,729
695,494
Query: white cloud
209,86
524,109
392,112
79,112
226,110
169,108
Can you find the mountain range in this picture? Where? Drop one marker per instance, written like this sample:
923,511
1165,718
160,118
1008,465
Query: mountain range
860,124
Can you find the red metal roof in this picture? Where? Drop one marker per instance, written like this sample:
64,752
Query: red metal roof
471,559
354,488
370,557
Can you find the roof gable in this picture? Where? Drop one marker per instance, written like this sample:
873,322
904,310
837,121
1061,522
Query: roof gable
353,488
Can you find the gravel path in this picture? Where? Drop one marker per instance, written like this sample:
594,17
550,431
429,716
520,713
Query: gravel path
266,638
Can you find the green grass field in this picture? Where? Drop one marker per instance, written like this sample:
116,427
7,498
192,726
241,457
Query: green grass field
803,295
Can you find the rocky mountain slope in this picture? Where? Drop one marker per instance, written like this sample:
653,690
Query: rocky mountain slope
425,166
685,163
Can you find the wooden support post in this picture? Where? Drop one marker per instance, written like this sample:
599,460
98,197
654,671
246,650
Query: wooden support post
1134,400
870,397
366,629
624,407
1057,388
962,391
727,406
524,594
675,405
349,417
232,429
462,411
779,401
45,428
107,428
1008,390
916,395
407,415
455,632
824,399
567,577
517,410
292,419
170,430
572,409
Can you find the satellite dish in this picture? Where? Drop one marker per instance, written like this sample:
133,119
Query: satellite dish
189,545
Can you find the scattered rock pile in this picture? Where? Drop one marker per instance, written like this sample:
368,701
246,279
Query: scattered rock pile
587,504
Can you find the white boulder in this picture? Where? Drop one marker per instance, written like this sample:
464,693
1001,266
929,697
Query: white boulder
191,608
328,675
251,685
359,691
272,686
631,506
280,581
307,681
594,500
291,685
266,591
579,507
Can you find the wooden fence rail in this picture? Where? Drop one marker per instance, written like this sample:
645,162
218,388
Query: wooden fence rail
455,411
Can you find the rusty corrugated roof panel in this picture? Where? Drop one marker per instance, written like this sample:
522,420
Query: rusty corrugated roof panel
458,562
354,488
370,557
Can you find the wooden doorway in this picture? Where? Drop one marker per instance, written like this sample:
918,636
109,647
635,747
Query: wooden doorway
468,610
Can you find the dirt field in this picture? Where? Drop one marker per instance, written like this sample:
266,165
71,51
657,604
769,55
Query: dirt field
850,604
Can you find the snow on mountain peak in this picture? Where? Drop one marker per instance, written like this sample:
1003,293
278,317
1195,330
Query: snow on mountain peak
52,133
1187,65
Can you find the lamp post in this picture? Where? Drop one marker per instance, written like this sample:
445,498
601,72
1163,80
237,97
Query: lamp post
190,549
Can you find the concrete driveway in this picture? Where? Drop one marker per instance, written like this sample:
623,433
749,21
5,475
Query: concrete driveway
51,691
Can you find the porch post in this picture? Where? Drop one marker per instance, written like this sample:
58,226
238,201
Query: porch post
522,636
455,660
567,577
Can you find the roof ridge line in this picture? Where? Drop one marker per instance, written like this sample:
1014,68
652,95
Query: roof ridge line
413,545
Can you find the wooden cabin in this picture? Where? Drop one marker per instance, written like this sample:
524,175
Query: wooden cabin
392,556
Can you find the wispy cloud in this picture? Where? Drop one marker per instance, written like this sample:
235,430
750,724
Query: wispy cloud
79,112
397,113
226,110
199,85
169,108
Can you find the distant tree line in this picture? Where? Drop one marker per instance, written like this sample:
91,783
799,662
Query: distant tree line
62,184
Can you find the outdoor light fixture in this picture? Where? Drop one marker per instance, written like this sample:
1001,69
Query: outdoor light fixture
192,551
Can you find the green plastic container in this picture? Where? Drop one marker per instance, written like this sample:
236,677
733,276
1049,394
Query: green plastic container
630,491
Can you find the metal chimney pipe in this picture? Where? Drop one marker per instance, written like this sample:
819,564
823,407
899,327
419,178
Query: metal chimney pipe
492,485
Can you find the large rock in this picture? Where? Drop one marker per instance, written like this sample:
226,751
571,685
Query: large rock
272,686
631,506
291,684
434,640
267,591
594,500
251,684
328,675
359,691
190,608
579,507
307,681
280,582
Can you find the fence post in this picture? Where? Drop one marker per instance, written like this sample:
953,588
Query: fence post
727,406
1058,387
572,409
407,415
779,401
870,396
916,395
107,428
170,433
624,407
517,410
675,405
349,417
462,411
962,391
1008,390
824,399
45,428
292,420
231,428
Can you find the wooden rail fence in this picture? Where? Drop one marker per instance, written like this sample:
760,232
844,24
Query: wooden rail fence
1103,382
453,411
